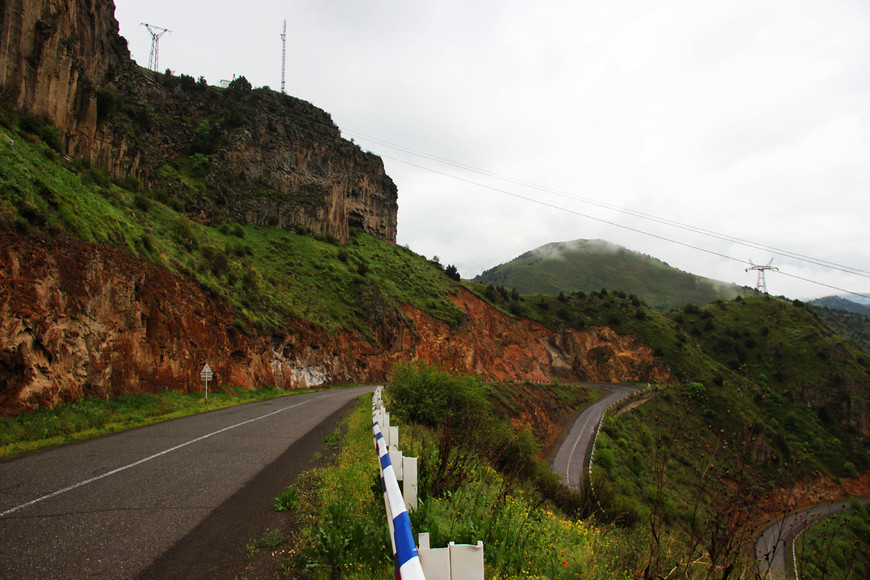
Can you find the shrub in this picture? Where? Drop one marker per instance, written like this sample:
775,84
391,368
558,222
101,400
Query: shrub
130,183
142,202
428,395
696,391
50,135
206,138
188,83
287,501
107,103
239,87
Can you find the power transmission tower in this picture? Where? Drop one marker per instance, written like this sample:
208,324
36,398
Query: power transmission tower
760,283
283,53
156,33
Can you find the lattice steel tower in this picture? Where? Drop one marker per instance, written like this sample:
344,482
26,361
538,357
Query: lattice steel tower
283,53
760,283
156,33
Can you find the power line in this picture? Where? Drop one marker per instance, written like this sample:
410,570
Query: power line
560,208
638,214
615,224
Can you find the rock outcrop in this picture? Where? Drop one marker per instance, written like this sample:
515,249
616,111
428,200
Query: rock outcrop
53,56
78,319
266,158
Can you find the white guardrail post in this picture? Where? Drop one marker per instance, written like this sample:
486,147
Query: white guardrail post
407,560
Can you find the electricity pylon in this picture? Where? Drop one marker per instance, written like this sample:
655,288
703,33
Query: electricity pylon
156,33
760,283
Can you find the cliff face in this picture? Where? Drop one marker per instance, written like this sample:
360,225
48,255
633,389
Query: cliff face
266,158
81,320
54,54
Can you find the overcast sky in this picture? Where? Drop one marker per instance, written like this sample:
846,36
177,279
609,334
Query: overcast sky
510,124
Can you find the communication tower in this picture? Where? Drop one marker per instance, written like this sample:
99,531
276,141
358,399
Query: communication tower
760,284
283,53
156,33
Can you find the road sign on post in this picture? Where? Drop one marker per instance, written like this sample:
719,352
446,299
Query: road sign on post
206,374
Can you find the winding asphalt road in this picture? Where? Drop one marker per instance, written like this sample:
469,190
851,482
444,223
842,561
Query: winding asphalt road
773,547
572,457
154,502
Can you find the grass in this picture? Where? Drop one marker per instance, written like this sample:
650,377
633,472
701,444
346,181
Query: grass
525,535
343,528
268,275
695,461
836,547
92,417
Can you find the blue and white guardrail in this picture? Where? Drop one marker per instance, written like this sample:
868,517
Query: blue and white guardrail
405,554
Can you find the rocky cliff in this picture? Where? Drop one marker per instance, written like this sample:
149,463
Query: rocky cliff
263,157
77,319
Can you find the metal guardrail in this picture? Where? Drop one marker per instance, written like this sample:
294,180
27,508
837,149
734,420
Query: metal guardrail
405,554
453,562
598,432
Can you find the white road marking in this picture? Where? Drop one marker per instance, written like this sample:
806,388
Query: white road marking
146,459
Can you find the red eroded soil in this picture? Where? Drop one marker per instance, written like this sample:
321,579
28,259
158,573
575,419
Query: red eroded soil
80,319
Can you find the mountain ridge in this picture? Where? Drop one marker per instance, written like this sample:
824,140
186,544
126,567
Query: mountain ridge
587,265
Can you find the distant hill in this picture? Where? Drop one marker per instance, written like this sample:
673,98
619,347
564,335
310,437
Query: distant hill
845,317
587,265
840,303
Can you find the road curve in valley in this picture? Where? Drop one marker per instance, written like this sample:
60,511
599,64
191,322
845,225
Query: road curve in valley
571,459
773,548
154,502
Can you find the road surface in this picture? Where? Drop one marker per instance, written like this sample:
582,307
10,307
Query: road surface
773,548
154,502
571,459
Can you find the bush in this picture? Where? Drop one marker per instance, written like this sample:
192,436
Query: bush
200,164
50,135
287,501
206,138
428,395
142,202
187,82
107,103
239,87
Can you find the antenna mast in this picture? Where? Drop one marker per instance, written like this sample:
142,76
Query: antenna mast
760,284
156,33
283,53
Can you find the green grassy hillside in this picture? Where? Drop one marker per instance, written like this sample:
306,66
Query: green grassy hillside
851,325
266,274
586,265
